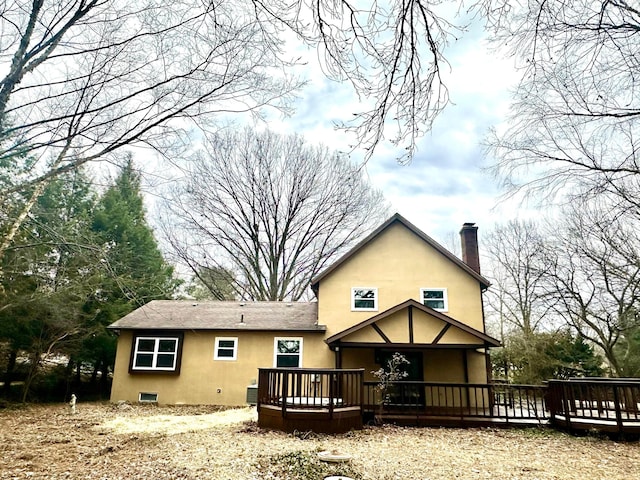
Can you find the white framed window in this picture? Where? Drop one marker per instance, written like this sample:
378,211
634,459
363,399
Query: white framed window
287,352
226,348
155,354
146,397
435,298
364,299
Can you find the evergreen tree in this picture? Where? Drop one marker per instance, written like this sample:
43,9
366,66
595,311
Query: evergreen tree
49,273
136,271
534,358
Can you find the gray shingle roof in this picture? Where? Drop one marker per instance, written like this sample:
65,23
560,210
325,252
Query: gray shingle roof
190,315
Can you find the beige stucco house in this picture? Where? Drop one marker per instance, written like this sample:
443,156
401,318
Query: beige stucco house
396,291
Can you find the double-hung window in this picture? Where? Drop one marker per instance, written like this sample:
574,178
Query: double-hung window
287,352
226,348
156,353
364,299
435,298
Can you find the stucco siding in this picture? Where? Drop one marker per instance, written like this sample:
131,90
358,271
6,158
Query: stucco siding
203,380
398,263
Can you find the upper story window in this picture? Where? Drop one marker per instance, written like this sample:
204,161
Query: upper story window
435,298
287,352
364,299
226,348
156,353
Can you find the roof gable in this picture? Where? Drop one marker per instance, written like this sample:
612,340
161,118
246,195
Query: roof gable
398,219
470,332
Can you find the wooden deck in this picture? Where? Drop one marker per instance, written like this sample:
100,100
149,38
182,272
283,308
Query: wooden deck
607,405
333,401
322,400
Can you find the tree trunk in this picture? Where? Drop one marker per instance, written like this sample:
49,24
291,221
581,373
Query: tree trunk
8,375
104,380
31,375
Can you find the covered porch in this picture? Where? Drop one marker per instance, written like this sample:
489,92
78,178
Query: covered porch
438,348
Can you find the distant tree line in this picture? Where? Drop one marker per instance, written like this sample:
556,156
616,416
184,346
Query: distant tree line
566,294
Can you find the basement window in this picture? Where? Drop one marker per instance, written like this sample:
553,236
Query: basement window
144,397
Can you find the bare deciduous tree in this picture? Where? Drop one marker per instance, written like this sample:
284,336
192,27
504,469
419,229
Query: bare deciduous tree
574,128
515,253
271,209
593,277
85,78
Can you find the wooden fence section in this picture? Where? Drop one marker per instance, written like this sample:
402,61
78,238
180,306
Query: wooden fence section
322,400
603,404
428,403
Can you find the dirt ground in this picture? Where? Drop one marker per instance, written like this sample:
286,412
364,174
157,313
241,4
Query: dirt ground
104,441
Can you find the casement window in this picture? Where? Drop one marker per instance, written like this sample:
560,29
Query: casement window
435,298
226,348
364,299
156,353
287,352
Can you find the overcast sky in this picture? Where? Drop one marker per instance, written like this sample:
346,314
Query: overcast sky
444,186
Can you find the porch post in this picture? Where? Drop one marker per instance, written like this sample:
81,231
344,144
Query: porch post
338,357
465,363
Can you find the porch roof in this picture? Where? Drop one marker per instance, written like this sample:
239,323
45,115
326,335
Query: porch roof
484,340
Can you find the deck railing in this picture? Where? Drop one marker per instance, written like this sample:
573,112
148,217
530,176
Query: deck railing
509,403
604,403
611,405
310,388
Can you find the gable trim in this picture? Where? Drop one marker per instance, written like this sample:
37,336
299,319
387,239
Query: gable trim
397,218
381,333
447,326
486,339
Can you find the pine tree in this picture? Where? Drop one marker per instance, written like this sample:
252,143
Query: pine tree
136,271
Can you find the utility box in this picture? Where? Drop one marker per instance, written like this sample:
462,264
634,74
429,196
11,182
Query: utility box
252,394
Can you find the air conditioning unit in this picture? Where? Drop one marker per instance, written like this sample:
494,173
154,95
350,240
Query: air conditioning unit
252,394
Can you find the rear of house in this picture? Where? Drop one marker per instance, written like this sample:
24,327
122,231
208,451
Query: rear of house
396,291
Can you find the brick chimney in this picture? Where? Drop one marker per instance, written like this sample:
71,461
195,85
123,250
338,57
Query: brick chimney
469,239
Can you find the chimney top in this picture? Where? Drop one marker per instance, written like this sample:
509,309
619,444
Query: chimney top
469,240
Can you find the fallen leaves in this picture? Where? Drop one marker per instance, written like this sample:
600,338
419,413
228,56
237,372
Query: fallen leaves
103,441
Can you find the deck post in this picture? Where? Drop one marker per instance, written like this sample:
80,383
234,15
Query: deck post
565,404
616,401
285,392
331,394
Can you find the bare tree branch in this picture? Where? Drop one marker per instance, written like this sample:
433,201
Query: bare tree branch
269,208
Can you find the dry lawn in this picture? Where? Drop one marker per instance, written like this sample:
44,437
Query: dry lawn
104,441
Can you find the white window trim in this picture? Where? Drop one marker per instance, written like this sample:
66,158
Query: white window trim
217,348
140,400
445,297
375,299
275,349
155,354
